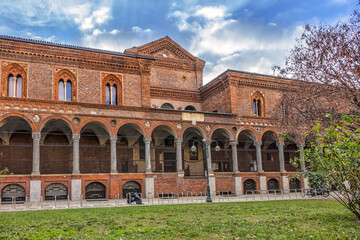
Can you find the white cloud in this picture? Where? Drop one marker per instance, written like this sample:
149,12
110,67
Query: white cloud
114,32
211,12
86,15
137,29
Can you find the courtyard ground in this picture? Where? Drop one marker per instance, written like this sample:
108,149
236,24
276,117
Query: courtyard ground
287,219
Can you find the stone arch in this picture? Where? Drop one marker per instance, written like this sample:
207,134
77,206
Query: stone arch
14,69
22,116
56,190
252,132
224,130
249,186
166,127
59,120
270,130
130,154
197,129
273,184
95,190
13,191
167,106
135,124
130,187
103,125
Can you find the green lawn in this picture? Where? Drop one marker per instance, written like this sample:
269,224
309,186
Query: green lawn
296,219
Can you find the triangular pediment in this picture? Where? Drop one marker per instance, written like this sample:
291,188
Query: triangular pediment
162,48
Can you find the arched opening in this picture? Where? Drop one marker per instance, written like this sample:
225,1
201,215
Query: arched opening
56,151
249,186
221,160
68,91
15,86
290,152
167,106
61,90
94,148
246,151
163,151
16,145
58,190
130,149
13,191
95,190
131,187
273,184
193,161
114,95
270,152
295,184
190,108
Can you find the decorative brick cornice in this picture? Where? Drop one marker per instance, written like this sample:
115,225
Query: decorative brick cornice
179,95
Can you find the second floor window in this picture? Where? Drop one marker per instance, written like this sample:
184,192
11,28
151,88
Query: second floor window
111,94
65,90
15,86
257,107
257,101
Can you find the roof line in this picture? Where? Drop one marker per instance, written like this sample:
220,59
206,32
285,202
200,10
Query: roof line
45,43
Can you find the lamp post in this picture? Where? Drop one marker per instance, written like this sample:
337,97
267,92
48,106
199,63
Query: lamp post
217,148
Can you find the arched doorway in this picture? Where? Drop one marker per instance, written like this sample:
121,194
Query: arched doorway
131,187
16,145
273,184
58,190
221,160
56,151
163,151
249,185
94,148
247,151
13,191
270,152
193,161
130,149
95,190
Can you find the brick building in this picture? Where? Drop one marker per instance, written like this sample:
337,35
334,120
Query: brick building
85,122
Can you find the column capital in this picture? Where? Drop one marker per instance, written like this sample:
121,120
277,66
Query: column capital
280,144
233,143
36,135
178,141
147,140
300,145
76,137
257,144
113,138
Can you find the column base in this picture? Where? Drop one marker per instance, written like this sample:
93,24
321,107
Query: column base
35,173
114,172
76,172
181,173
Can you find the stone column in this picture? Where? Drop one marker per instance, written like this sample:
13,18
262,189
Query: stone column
113,140
258,156
234,156
280,146
207,145
76,161
36,153
147,141
178,142
301,151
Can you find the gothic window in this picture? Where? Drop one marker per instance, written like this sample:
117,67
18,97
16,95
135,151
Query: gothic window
258,105
64,90
15,86
167,106
64,86
111,90
13,80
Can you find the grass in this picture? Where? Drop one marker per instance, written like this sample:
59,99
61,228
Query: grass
296,219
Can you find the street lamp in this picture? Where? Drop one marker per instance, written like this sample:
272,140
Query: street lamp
217,148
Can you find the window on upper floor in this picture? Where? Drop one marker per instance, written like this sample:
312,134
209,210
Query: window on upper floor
167,106
15,86
258,104
13,80
190,108
65,90
111,90
64,86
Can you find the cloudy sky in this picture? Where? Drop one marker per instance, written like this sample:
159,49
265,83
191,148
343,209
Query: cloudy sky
247,35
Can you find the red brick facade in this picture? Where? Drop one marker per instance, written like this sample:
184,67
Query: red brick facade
146,77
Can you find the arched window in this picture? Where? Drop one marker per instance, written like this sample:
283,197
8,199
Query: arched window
65,90
14,86
111,90
258,104
107,94
167,106
64,85
190,108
